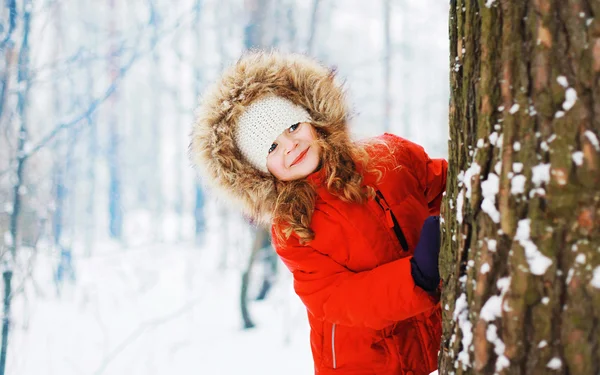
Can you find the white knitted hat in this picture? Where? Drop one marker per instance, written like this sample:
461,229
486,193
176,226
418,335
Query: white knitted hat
261,123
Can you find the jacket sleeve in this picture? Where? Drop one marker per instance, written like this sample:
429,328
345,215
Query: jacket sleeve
431,173
374,299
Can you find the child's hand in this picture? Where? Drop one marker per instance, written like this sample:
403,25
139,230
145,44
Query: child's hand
424,264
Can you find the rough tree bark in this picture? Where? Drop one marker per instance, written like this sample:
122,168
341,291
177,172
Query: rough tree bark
521,248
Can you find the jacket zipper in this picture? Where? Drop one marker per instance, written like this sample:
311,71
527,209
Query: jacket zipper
333,345
391,219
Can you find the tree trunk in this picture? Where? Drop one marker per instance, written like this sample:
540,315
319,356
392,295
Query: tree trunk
314,19
18,187
59,170
290,26
387,65
7,46
255,26
253,37
257,244
179,135
199,216
154,196
520,254
92,156
115,206
406,66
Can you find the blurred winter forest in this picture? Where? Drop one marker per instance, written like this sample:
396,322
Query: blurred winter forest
114,259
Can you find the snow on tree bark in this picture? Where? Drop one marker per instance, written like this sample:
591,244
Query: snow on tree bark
521,244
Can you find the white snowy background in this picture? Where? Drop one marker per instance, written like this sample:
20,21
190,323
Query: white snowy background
158,298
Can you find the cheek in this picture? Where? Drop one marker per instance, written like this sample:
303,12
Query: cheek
312,134
275,165
317,159
316,152
312,163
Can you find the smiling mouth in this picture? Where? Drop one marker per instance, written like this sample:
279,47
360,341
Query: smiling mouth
300,157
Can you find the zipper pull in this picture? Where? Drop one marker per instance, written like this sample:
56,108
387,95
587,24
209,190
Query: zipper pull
386,209
388,217
391,219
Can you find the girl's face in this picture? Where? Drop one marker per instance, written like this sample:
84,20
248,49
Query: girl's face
294,154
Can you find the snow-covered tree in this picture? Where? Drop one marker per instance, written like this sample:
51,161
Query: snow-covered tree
521,248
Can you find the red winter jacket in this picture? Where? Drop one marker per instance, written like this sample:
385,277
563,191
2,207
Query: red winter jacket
366,314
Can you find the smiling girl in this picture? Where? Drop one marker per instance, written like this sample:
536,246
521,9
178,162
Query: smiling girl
355,222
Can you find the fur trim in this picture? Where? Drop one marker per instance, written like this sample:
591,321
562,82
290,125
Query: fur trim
212,148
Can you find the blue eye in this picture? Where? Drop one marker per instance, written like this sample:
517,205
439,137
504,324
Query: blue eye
273,147
294,127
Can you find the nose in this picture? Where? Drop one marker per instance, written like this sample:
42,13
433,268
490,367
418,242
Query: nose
288,144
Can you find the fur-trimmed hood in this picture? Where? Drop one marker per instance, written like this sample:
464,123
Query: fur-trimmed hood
212,149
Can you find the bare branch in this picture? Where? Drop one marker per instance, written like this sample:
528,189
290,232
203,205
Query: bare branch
91,109
12,22
95,104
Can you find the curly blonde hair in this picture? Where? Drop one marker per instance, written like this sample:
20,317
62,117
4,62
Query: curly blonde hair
343,164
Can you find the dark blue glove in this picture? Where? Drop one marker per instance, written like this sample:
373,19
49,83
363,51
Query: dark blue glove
424,263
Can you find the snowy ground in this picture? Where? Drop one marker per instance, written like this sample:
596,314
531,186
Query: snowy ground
162,309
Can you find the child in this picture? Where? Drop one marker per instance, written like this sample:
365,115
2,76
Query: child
346,217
